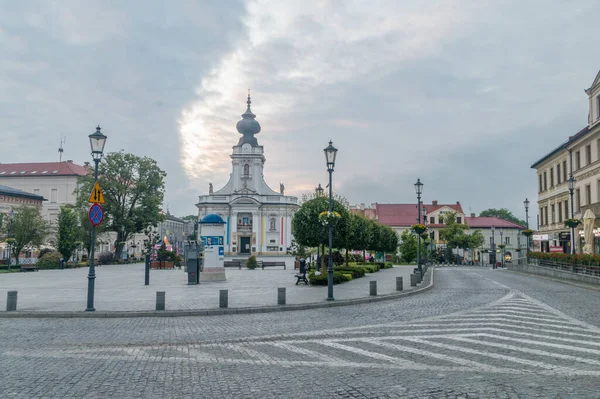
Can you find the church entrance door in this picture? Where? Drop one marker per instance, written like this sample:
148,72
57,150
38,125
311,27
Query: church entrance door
244,245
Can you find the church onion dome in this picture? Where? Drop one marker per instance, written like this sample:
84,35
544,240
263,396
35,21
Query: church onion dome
248,126
212,219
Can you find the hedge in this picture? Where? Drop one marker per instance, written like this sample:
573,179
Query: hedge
567,258
321,279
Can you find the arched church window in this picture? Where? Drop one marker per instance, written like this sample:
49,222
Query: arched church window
272,223
246,170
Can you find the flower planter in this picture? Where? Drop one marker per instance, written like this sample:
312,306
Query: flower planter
162,264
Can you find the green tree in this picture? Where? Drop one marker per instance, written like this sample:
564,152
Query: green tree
504,214
27,230
408,246
363,234
308,230
453,234
67,232
133,187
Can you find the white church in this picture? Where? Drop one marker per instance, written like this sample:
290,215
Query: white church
258,219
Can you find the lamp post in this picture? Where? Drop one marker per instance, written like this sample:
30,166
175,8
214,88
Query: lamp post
330,154
10,227
319,191
493,247
504,246
97,142
419,190
424,210
571,189
526,203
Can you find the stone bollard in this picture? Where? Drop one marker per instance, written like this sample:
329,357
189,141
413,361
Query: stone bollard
281,296
399,284
414,279
160,300
223,298
11,301
373,288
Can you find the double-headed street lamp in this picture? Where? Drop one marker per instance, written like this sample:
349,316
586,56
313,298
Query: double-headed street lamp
526,203
330,154
571,189
419,190
97,142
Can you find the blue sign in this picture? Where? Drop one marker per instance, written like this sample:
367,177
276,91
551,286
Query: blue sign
96,214
221,251
212,240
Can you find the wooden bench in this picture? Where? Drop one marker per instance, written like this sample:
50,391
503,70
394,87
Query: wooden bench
233,263
273,264
31,266
301,277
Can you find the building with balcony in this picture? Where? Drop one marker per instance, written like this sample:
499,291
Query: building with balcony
258,219
578,156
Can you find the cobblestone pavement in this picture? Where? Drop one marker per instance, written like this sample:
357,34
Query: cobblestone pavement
121,287
479,333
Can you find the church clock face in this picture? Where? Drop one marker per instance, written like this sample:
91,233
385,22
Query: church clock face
246,148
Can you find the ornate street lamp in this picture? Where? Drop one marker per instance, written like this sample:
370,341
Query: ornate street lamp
97,142
319,191
571,189
330,154
419,190
526,203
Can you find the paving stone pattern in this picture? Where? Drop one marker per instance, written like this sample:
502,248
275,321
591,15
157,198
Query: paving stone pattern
121,287
477,334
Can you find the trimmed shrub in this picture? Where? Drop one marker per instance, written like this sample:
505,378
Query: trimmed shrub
338,277
356,271
105,258
45,251
50,260
251,263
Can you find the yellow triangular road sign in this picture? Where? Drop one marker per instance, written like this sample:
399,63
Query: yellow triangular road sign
96,197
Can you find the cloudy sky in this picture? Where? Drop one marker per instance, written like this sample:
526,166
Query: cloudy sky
465,95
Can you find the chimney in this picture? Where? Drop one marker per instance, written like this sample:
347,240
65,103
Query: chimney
86,164
457,202
69,160
472,215
434,203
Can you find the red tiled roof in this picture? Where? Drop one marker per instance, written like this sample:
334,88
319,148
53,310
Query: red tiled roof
42,169
406,214
489,221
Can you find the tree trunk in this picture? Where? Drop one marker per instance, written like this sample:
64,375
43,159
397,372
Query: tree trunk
346,257
364,255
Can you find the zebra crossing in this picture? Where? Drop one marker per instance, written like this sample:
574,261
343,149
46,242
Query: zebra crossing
514,335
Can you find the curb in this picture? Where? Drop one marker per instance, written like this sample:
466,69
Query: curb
216,312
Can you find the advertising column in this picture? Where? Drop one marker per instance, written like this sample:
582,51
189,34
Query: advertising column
212,234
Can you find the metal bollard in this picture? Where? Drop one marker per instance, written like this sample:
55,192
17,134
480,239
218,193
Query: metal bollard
11,301
414,279
281,296
160,300
373,288
399,284
223,298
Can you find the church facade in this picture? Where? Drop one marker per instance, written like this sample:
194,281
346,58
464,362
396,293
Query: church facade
258,219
